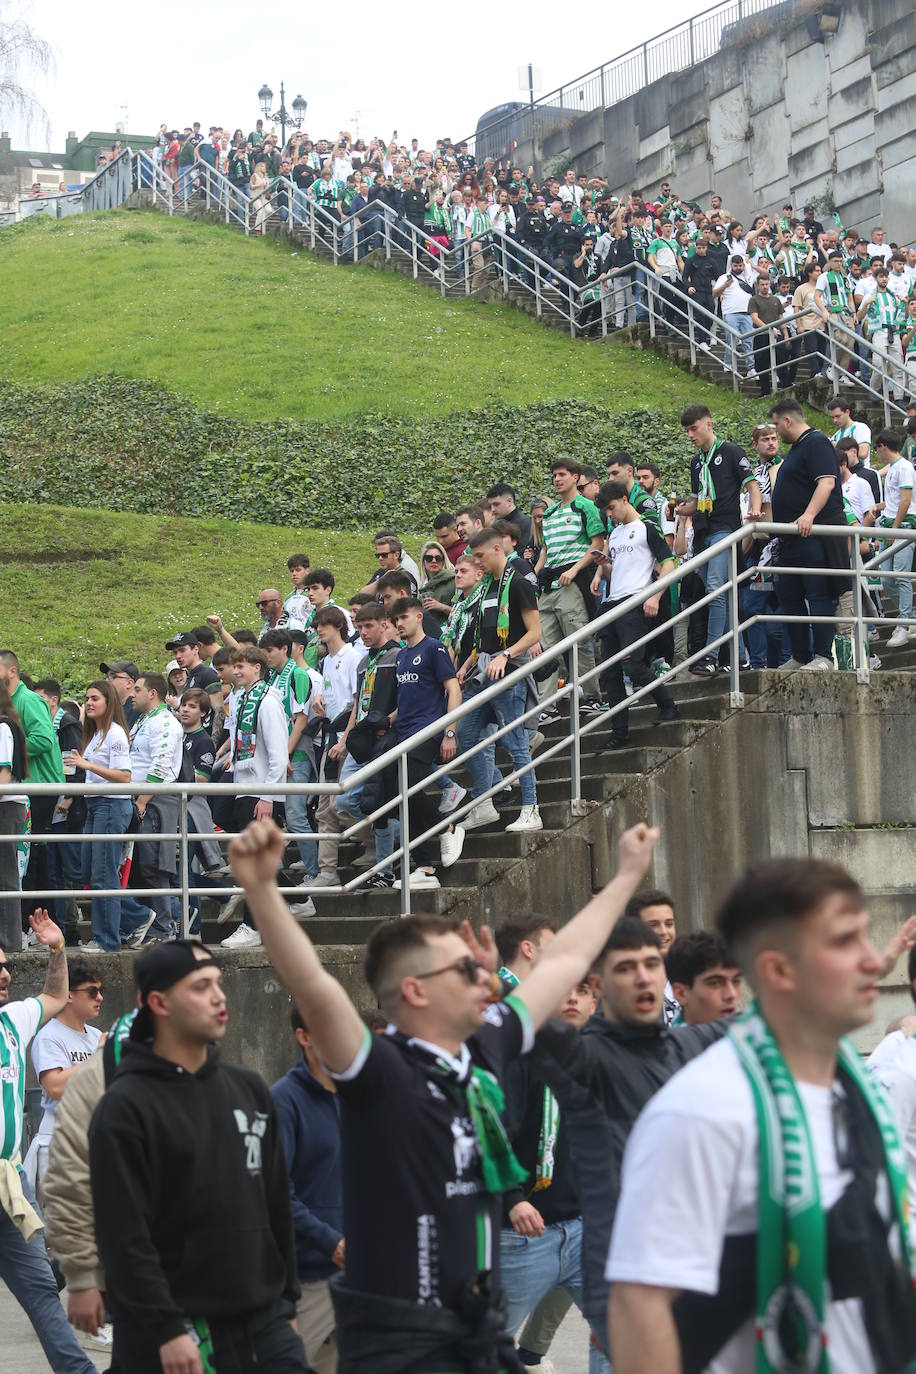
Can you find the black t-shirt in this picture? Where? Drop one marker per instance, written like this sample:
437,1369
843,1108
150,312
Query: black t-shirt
418,1222
523,521
201,675
730,468
811,457
522,597
198,745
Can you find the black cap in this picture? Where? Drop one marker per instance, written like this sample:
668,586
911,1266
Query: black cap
160,967
121,665
186,638
807,208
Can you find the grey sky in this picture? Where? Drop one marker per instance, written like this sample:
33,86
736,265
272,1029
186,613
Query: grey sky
424,69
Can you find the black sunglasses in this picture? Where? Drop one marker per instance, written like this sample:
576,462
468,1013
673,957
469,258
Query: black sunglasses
93,989
433,558
5,965
467,967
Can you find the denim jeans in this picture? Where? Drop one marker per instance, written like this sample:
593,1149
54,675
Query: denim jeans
508,706
902,562
64,870
105,816
531,1266
767,646
25,1270
742,322
599,1363
297,816
715,574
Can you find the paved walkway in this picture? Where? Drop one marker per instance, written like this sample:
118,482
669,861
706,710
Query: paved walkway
20,1352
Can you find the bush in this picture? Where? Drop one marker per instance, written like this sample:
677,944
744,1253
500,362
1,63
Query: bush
119,444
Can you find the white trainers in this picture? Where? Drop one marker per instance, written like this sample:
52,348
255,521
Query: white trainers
704,348
899,638
93,947
419,879
228,909
452,798
102,1340
243,938
529,819
451,843
484,813
325,880
136,937
818,664
306,908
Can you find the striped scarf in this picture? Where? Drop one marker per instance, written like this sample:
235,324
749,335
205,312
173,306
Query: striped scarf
550,1119
883,311
838,293
459,617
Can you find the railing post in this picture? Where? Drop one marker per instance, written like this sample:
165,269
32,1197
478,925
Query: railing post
312,218
863,673
690,32
603,99
442,279
537,286
334,253
771,345
504,258
467,266
650,305
691,333
572,315
387,218
831,348
183,868
413,250
885,392
575,770
356,231
645,63
736,695
605,295
733,347
405,836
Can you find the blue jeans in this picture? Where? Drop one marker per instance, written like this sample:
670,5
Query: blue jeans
764,642
715,574
105,816
350,799
25,1270
297,816
64,868
508,706
531,1266
901,561
742,322
597,1362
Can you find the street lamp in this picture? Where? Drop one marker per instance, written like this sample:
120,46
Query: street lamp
294,121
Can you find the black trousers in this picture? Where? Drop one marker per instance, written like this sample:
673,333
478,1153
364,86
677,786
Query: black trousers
422,808
36,875
261,1342
620,634
782,354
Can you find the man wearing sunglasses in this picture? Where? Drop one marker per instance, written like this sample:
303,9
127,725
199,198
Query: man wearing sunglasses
58,1050
425,1157
24,1266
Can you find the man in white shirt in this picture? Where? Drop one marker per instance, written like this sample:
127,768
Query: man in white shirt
899,513
734,289
855,489
893,1065
709,1211
848,428
877,248
156,755
339,669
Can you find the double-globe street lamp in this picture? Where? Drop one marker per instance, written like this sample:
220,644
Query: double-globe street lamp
294,121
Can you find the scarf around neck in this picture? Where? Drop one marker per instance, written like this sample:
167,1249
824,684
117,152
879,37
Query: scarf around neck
459,617
246,720
792,1226
502,613
550,1118
707,493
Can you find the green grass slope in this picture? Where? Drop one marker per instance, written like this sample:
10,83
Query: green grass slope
80,586
255,329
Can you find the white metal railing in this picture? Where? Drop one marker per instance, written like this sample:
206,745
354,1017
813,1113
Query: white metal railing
862,616
680,47
108,188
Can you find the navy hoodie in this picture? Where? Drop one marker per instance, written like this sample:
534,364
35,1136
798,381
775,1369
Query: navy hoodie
309,1120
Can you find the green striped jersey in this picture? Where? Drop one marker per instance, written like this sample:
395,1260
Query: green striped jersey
18,1023
569,531
328,193
884,311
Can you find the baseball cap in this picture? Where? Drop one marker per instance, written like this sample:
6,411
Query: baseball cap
121,665
160,967
186,638
171,666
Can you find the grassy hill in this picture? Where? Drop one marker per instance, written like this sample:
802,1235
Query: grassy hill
81,586
252,328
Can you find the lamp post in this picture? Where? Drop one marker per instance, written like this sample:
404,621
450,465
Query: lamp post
294,121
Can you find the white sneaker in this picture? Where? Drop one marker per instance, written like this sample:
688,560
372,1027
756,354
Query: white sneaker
325,880
102,1340
93,947
704,348
135,938
297,867
228,909
243,938
534,744
452,798
484,813
529,819
899,638
789,666
751,372
306,908
451,843
818,664
419,879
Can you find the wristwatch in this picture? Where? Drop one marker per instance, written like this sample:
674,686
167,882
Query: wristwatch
449,734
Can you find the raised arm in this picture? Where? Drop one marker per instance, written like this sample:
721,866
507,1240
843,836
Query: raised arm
53,996
333,1021
569,957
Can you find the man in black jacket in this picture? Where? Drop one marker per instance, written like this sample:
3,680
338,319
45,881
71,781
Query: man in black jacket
602,1078
190,1189
531,231
383,192
413,207
700,271
564,243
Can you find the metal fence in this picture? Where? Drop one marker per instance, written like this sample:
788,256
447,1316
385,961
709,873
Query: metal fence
862,616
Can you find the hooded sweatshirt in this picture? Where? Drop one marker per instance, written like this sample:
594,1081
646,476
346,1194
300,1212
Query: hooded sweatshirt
191,1198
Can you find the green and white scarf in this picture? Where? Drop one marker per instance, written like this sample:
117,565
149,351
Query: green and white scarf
246,721
459,617
883,311
550,1119
480,224
792,1227
502,611
838,293
707,493
280,680
58,717
796,255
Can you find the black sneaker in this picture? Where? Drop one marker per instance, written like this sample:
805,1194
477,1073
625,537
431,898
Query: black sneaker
548,716
618,741
593,707
669,713
704,667
380,882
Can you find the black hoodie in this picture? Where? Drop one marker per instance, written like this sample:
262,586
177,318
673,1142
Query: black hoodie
191,1198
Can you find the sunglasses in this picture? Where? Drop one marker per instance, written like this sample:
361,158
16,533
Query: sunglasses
93,989
261,604
5,965
433,558
467,967
386,553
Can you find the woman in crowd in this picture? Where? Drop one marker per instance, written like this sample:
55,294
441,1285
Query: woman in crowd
105,758
437,582
177,678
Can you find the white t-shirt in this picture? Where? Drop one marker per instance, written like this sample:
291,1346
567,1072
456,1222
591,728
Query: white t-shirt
6,761
859,431
338,679
111,752
893,1064
898,283
690,1179
879,250
734,298
57,1046
859,495
898,478
633,549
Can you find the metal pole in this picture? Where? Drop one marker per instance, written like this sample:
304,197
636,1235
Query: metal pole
863,673
442,252
885,393
572,316
334,253
831,345
312,218
691,333
771,344
690,31
733,352
282,114
387,221
737,698
537,286
405,837
650,303
645,63
413,249
183,868
575,771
